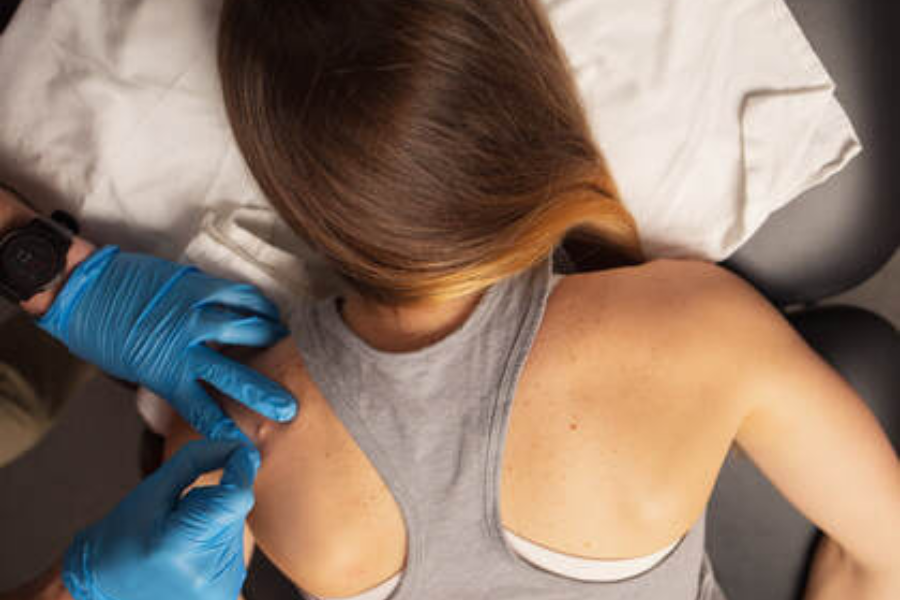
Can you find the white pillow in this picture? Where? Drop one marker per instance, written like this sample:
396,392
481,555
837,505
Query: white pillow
712,114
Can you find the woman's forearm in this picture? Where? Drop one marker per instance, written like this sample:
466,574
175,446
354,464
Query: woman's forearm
48,586
835,575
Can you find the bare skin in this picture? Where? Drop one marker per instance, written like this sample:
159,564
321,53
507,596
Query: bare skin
622,419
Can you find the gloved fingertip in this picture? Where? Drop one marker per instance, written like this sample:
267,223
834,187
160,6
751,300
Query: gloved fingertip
241,501
254,457
285,409
242,467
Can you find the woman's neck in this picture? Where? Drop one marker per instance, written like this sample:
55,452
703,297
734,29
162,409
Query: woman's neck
405,329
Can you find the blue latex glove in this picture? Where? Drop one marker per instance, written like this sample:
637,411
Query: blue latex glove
157,545
146,320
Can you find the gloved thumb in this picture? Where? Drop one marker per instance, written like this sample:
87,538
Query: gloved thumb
205,511
189,463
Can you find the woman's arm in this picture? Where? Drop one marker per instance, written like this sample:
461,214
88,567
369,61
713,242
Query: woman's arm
300,497
815,439
836,576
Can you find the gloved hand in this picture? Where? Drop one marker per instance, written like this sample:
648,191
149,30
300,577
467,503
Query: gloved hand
145,320
156,545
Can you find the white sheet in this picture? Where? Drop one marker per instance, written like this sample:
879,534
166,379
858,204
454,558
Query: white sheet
712,114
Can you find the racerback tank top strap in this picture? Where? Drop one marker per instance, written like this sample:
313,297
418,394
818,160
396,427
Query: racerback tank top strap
433,423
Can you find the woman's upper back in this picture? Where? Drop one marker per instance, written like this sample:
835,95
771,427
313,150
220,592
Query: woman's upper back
617,430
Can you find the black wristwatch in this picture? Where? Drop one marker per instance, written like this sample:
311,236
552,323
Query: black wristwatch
33,256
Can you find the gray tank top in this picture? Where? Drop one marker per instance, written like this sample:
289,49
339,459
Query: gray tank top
433,423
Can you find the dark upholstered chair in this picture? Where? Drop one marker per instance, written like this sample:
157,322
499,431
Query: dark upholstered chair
828,241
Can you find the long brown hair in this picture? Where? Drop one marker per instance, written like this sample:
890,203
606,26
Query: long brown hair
426,148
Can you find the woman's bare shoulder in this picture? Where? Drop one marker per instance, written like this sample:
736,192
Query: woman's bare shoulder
649,285
682,318
657,297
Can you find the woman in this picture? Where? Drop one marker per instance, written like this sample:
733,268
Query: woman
471,424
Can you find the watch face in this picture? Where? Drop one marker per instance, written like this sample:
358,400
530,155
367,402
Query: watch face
29,261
